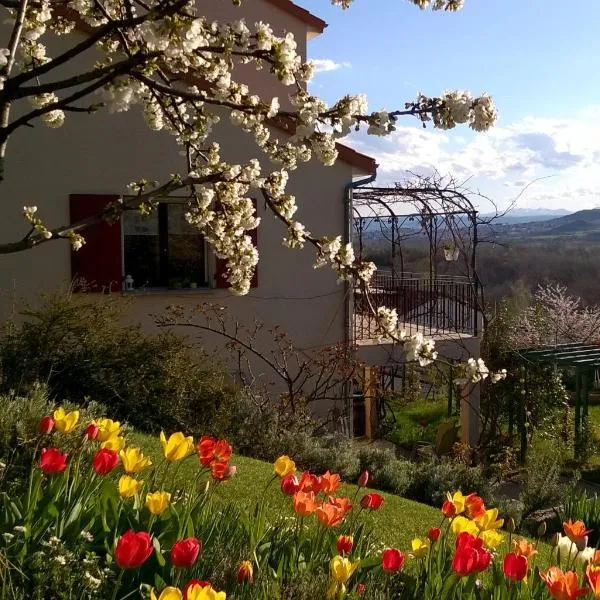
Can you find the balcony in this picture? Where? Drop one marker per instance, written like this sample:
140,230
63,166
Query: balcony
440,307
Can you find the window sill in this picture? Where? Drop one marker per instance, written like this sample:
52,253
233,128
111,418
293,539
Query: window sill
168,291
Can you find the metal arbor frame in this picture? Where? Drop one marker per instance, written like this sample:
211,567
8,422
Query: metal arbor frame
441,216
585,358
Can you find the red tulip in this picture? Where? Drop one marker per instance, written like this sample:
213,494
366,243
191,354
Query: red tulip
449,509
52,461
219,470
371,501
185,552
392,560
91,432
310,483
344,544
361,588
133,549
363,479
434,534
245,572
515,567
46,425
205,449
290,485
470,556
105,461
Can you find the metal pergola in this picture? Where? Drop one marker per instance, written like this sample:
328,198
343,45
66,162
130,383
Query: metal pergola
585,359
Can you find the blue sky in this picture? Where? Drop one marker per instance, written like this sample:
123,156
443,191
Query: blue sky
540,60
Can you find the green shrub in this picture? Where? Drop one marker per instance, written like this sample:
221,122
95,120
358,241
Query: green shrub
579,507
78,346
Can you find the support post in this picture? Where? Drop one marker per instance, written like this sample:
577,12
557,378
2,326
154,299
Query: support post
469,414
450,390
577,411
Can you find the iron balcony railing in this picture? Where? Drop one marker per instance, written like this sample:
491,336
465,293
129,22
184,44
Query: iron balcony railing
433,306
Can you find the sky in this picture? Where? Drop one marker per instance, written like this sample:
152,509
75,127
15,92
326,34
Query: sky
539,59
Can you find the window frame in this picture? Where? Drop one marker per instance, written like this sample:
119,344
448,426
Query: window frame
163,247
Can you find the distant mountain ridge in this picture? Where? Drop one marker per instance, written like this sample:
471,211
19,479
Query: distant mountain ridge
528,215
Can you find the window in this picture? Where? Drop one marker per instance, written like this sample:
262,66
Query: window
163,250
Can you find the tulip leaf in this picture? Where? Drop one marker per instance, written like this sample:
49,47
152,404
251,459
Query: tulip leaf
159,557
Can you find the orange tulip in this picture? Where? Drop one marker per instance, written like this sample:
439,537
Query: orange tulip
330,482
329,514
562,586
341,502
304,503
474,506
593,576
310,483
575,531
595,560
524,548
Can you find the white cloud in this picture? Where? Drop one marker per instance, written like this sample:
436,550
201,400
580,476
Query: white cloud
324,65
559,159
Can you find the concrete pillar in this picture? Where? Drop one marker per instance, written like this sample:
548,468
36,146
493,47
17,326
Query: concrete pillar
469,413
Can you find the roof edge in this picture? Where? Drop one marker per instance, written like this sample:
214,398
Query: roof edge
315,24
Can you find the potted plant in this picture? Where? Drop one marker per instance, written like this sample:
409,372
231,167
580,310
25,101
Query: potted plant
451,251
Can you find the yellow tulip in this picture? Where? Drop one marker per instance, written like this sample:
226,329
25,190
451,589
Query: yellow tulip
107,428
459,501
489,520
492,538
65,421
169,593
460,524
134,460
177,447
128,486
341,570
114,443
158,502
197,592
284,466
420,547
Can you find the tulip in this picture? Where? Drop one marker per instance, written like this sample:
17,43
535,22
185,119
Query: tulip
392,560
158,502
290,485
107,428
177,447
341,569
344,544
470,556
461,524
219,470
523,548
491,538
458,500
205,449
449,509
91,432
52,461
515,567
283,466
361,588
420,547
169,593
196,584
245,572
474,506
489,520
105,461
64,421
198,591
309,482
185,552
128,486
134,460
329,514
592,574
434,534
562,586
115,443
341,502
330,482
363,480
372,501
576,532
133,549
304,503
46,425
222,451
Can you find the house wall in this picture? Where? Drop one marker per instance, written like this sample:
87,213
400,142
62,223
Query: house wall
101,154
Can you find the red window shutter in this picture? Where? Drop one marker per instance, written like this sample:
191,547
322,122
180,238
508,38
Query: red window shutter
221,264
98,262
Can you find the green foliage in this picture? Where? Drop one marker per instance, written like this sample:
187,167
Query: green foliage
578,507
79,347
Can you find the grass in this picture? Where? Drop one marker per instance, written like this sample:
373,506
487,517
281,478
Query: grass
417,421
395,524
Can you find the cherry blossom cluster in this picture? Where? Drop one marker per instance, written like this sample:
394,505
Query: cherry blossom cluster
449,5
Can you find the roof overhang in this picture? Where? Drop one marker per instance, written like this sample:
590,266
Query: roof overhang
361,163
314,25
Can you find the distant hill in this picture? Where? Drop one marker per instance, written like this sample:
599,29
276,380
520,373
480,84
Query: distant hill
528,215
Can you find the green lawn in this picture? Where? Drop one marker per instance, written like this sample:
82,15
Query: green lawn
396,524
417,421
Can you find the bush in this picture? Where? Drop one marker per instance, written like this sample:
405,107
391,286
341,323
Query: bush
78,346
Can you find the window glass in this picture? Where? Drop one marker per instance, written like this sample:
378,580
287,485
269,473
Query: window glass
141,248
